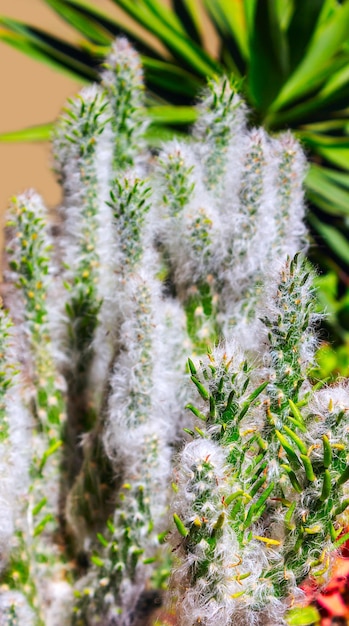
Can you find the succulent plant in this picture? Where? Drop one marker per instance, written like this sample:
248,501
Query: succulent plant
196,250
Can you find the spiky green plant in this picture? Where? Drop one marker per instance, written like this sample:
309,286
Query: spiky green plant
292,56
192,251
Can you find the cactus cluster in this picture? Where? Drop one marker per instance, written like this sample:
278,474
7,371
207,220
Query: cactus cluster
132,476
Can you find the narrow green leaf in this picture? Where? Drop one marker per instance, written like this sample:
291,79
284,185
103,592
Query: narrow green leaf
341,540
102,540
268,55
166,14
250,12
325,44
326,486
295,411
293,478
341,508
112,25
192,367
301,28
170,77
190,53
87,27
343,477
333,205
262,499
254,395
39,506
290,453
157,135
167,114
51,450
233,497
180,526
297,440
327,452
47,49
196,412
34,133
229,19
325,189
189,14
288,516
334,239
39,528
201,388
338,177
308,468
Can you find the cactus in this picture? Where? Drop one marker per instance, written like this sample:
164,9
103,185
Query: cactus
197,251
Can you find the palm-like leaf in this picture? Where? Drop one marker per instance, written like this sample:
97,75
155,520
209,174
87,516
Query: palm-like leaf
293,56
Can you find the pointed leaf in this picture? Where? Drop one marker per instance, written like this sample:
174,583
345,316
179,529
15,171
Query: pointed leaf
42,132
188,13
84,25
167,16
48,49
326,192
301,28
112,25
172,114
269,64
333,237
170,78
334,149
230,22
325,44
190,53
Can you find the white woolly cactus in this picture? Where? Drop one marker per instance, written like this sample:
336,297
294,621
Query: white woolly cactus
153,259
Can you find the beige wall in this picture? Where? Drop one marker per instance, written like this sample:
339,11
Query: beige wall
33,93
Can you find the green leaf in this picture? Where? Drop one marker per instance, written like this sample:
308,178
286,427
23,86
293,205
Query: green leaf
290,453
301,28
229,19
48,49
334,239
172,114
166,15
339,177
156,135
189,14
250,11
33,133
170,77
180,526
97,561
182,48
335,84
201,388
88,27
268,55
344,477
305,616
325,192
334,149
325,44
299,443
109,24
39,528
